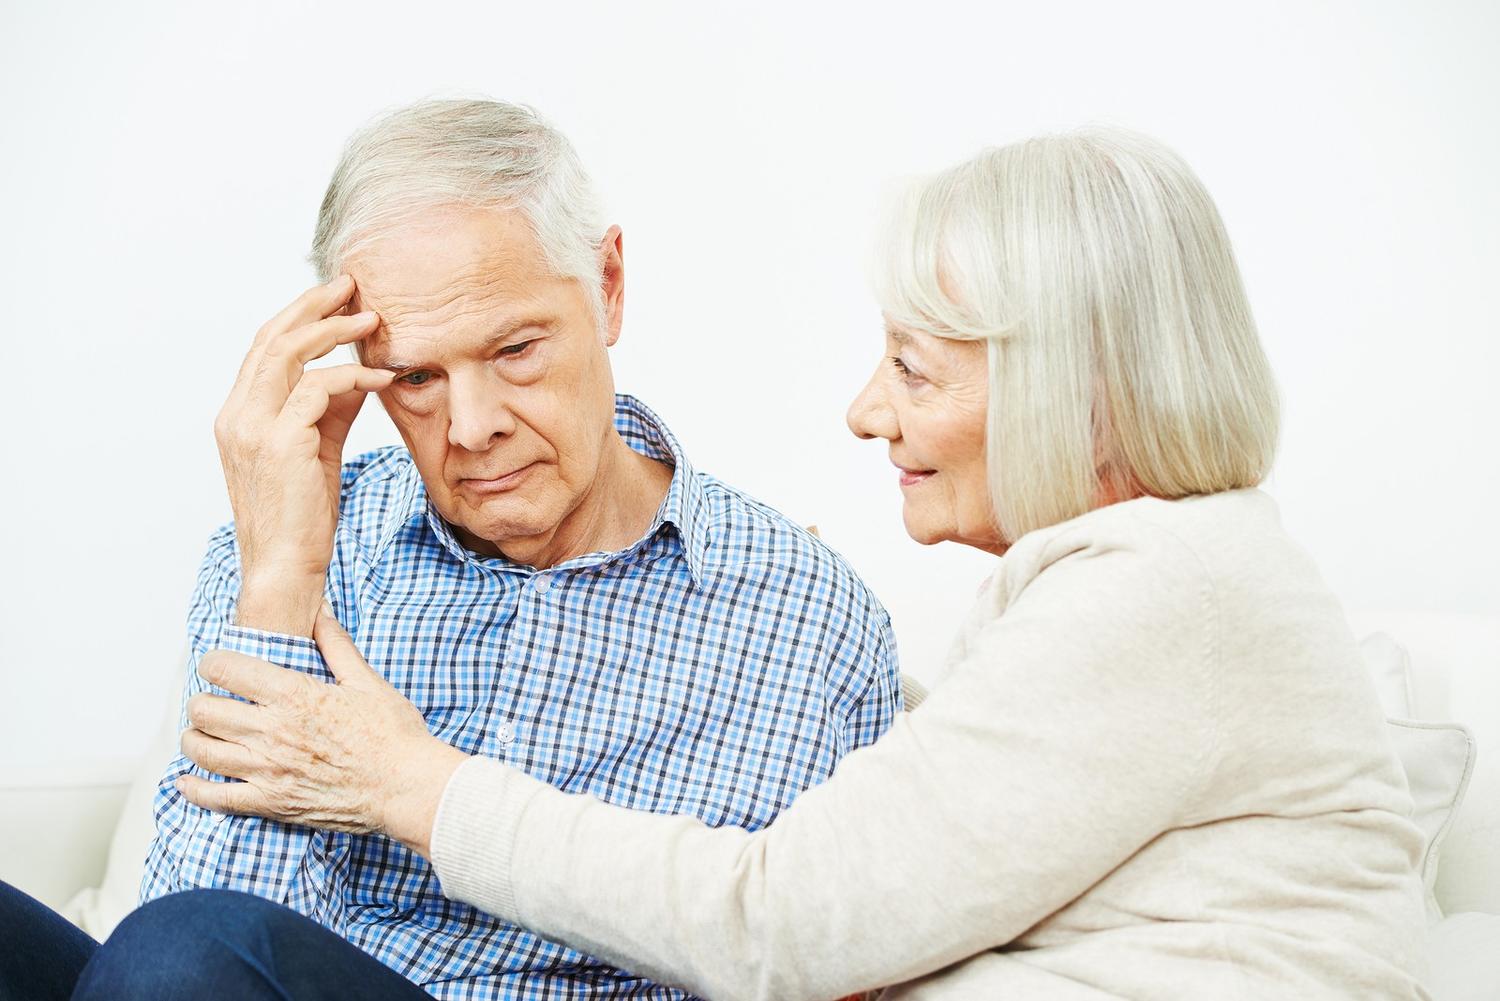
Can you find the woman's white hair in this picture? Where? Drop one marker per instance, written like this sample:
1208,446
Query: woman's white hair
1123,358
486,154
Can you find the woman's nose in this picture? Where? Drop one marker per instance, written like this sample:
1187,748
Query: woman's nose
870,415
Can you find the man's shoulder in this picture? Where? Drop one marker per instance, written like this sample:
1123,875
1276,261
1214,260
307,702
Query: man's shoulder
835,618
376,486
749,536
370,471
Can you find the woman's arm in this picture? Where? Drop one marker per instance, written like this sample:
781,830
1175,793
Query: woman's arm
1075,732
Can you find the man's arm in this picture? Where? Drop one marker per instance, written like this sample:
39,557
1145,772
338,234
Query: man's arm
193,847
873,657
281,439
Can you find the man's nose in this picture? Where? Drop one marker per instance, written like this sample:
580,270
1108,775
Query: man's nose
477,412
870,415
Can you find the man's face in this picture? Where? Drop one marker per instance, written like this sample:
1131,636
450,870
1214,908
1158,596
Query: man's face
504,394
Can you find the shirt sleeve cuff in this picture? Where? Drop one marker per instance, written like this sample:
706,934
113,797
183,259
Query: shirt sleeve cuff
474,835
299,653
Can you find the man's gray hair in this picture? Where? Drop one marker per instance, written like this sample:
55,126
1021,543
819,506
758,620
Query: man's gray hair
486,154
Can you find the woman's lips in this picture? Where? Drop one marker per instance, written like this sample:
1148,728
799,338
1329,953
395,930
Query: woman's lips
911,477
499,484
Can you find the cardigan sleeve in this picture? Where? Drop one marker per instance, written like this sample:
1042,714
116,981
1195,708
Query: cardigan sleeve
1077,728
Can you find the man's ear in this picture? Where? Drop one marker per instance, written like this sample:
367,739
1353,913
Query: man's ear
612,273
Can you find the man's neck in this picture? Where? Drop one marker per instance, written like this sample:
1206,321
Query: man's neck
616,511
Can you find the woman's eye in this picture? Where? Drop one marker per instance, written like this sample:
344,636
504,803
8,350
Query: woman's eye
417,378
512,350
900,366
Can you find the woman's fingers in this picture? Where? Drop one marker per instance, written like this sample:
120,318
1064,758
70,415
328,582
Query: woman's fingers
343,658
223,797
222,757
229,719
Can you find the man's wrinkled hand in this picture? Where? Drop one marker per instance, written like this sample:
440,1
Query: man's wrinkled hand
281,439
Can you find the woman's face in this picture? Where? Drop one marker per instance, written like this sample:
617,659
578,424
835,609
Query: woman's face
927,399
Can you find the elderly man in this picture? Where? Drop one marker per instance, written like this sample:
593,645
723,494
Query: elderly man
540,571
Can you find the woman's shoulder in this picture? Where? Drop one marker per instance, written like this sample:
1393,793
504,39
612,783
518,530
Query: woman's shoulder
1219,567
1211,539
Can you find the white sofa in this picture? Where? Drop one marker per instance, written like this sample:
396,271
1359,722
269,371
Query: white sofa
75,838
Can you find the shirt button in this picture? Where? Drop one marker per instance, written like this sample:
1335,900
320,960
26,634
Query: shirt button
541,584
506,733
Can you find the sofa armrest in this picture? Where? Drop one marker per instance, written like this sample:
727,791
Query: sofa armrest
58,824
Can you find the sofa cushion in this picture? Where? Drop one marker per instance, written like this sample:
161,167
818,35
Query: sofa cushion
1438,759
1390,668
1464,953
97,910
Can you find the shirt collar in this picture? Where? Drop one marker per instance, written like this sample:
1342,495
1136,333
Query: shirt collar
685,507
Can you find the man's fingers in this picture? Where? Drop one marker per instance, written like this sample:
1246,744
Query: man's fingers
249,678
276,367
296,348
223,797
334,425
339,652
309,401
229,719
222,757
314,304
311,320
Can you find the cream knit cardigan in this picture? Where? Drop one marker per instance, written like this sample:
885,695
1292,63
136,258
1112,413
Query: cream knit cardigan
1154,767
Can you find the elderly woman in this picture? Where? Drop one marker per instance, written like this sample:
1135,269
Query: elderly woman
1152,766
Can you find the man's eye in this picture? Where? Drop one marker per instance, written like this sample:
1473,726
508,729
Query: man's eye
512,350
417,378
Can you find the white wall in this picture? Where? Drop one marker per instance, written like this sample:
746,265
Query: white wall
161,173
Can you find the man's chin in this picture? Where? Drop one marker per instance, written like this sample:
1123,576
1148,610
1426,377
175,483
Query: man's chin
493,533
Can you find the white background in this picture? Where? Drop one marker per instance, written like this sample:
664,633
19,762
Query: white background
161,173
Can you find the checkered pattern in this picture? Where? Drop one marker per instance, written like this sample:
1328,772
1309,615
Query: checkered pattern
716,668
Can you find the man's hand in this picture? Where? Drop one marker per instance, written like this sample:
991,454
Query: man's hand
281,440
352,756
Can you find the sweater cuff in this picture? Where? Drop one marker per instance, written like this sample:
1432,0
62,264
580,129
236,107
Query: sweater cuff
474,835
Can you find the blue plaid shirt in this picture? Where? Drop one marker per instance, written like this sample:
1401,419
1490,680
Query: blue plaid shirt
716,668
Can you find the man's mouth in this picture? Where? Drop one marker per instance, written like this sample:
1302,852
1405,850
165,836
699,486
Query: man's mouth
497,484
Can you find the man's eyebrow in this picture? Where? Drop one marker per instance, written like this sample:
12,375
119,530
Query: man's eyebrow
503,333
511,327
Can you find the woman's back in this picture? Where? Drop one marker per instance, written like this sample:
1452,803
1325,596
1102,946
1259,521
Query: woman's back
1287,866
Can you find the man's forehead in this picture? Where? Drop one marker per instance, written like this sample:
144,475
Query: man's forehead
397,294
428,260
472,308
452,280
403,344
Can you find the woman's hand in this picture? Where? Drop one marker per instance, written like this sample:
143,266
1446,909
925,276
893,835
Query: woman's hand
351,756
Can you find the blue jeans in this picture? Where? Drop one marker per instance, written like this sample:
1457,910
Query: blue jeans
217,944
